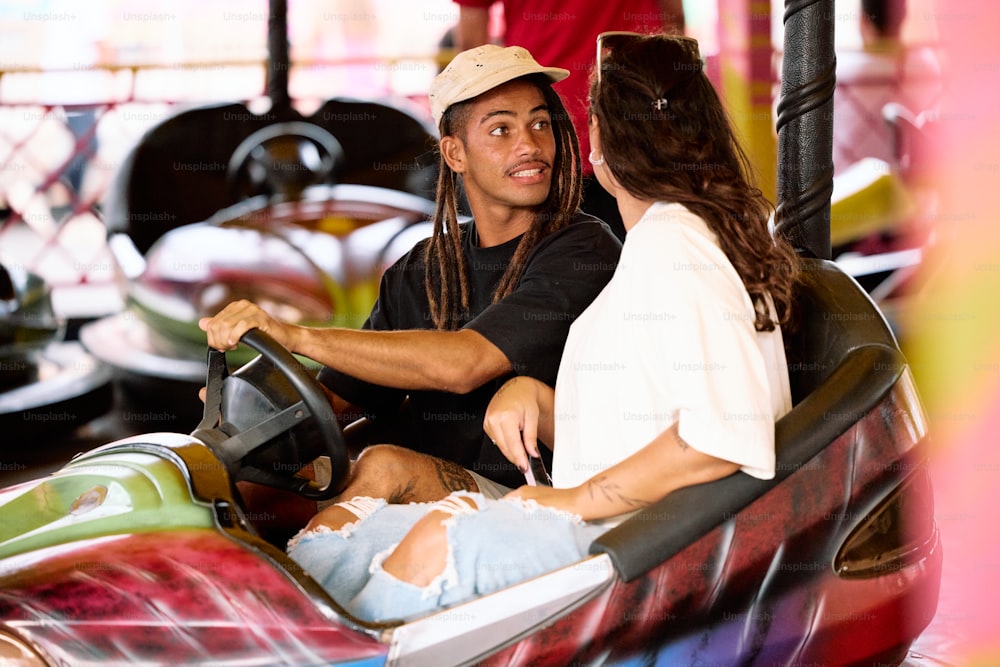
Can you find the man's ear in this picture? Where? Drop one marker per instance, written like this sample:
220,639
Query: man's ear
453,152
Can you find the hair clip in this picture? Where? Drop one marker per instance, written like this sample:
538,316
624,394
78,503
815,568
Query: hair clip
660,104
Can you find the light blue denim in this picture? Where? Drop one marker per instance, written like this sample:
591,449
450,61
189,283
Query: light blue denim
503,543
339,560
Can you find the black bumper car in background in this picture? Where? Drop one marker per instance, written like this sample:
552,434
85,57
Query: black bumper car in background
47,384
300,214
316,261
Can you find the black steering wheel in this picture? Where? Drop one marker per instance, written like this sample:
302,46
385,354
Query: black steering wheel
289,423
283,159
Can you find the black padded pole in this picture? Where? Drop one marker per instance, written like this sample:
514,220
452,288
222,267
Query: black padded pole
278,54
805,127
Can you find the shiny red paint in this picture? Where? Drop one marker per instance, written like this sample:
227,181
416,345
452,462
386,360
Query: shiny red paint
174,597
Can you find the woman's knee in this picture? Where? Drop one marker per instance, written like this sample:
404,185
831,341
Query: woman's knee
422,555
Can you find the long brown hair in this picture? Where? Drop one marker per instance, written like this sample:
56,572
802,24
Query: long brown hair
665,136
446,275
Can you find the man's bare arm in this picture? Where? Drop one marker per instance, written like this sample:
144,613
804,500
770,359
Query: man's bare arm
454,361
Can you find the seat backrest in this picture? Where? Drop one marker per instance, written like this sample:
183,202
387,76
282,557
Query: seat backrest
842,361
834,317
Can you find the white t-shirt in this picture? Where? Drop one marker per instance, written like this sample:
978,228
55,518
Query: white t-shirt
671,338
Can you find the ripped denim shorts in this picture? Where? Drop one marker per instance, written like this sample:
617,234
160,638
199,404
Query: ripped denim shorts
501,543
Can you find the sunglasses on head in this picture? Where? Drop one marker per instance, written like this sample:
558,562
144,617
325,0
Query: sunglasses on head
606,42
687,53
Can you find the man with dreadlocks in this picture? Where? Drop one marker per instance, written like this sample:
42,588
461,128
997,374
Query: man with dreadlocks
477,302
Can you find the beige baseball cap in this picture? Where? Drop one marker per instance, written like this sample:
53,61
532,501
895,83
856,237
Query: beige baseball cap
480,69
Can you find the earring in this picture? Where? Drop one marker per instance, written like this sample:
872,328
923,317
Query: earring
595,161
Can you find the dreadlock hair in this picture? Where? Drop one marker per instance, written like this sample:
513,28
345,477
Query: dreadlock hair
445,271
666,136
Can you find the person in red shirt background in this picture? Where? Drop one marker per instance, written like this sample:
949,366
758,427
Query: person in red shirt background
562,33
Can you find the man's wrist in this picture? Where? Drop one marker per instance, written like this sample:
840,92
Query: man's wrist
295,338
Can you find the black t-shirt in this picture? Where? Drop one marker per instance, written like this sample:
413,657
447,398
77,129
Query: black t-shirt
563,274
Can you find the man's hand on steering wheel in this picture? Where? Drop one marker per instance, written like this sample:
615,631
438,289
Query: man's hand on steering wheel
310,405
226,328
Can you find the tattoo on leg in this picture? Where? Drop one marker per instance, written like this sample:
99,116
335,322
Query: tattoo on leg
403,494
452,476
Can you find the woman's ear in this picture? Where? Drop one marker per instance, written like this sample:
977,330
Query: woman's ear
453,152
596,158
595,133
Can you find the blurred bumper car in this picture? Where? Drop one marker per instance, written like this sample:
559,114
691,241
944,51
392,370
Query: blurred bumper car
46,384
883,215
307,221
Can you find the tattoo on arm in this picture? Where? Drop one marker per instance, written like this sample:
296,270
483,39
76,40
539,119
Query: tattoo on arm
613,492
453,477
402,494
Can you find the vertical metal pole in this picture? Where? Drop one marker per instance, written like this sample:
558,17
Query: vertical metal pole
805,127
278,54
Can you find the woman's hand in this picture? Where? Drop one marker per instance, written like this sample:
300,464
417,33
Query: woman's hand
517,415
562,499
228,326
